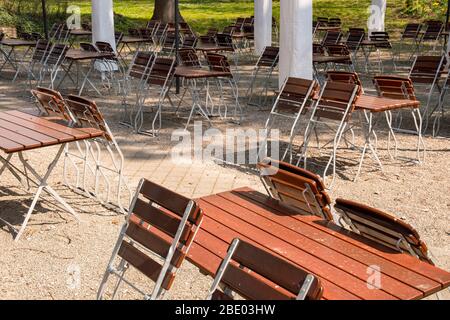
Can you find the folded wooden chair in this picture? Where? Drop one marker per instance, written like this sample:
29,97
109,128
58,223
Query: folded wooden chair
382,43
296,187
38,57
428,72
432,34
331,37
411,35
210,36
266,63
189,41
333,110
383,228
53,63
292,102
443,101
341,51
158,84
395,87
160,223
220,63
353,41
135,84
50,104
257,274
86,115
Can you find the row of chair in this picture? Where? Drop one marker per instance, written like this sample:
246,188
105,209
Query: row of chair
85,169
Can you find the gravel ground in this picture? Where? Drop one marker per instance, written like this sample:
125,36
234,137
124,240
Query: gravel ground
59,258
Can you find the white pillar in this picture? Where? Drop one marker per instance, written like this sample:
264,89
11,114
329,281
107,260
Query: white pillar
263,25
296,39
377,13
103,22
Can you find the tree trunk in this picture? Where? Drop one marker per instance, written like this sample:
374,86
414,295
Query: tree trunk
165,11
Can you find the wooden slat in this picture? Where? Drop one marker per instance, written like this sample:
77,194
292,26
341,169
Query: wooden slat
9,146
389,268
28,143
404,260
35,135
77,134
314,252
144,264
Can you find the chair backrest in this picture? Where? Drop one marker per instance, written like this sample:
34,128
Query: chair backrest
162,72
239,23
269,57
118,36
224,40
169,40
228,30
337,50
104,47
257,274
188,57
411,31
57,54
318,49
153,25
354,38
345,77
294,95
427,69
218,62
383,228
41,50
394,87
189,41
336,101
382,37
50,102
322,21
332,37
85,113
296,187
433,30
334,22
54,30
86,26
161,31
159,220
87,46
141,65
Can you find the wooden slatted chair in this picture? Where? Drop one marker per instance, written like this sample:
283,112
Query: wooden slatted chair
134,84
432,34
331,37
292,102
220,63
168,46
296,187
210,36
443,101
346,77
382,42
341,50
158,83
257,274
159,34
266,63
411,34
162,223
383,228
396,87
53,63
189,41
353,41
38,57
86,115
428,72
333,108
50,104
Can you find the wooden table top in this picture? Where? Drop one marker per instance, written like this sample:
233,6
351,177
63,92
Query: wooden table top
328,59
20,131
379,104
80,32
129,39
78,54
197,73
212,48
340,258
18,43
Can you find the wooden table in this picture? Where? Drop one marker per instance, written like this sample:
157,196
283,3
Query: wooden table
212,48
340,258
76,56
21,132
11,56
192,75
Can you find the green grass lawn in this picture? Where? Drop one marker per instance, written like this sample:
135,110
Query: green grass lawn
202,14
